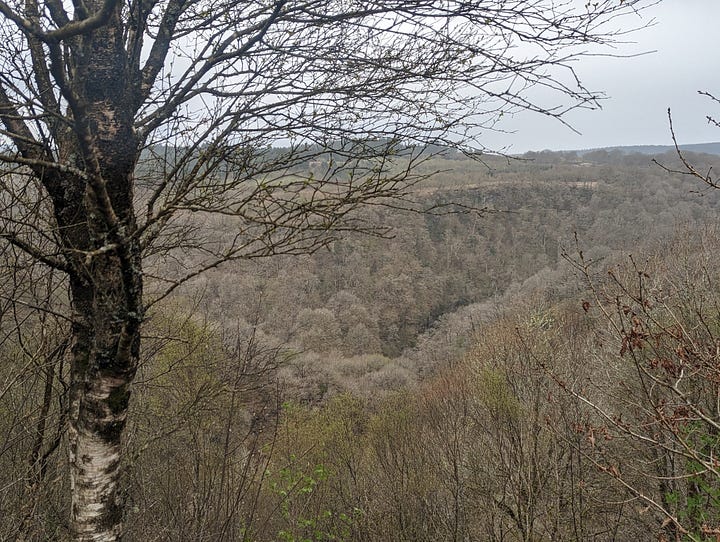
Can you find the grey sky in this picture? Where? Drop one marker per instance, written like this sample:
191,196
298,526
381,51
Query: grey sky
639,89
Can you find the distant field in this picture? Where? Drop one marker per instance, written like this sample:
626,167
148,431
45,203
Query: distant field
707,148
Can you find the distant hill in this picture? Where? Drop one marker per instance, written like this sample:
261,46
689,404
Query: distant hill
708,148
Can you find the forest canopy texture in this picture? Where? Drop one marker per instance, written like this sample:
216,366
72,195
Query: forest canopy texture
128,125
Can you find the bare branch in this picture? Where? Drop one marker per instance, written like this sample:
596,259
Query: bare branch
689,168
36,253
68,30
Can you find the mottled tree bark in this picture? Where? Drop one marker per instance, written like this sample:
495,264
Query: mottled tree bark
106,285
105,355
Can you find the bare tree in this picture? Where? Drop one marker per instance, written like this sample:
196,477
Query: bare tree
657,395
125,122
686,167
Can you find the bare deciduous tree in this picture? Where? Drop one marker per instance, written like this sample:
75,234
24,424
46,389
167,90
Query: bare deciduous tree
659,393
123,122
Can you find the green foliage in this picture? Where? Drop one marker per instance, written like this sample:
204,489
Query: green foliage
496,395
182,379
697,500
294,487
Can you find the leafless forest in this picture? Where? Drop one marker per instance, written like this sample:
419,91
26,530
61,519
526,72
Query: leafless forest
533,357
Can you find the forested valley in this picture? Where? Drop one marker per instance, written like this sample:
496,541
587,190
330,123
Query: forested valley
535,357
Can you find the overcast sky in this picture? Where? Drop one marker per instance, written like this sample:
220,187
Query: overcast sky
639,90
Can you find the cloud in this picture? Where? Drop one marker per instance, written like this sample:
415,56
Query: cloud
680,61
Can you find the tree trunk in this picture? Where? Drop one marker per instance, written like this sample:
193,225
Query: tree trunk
106,318
105,283
105,357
